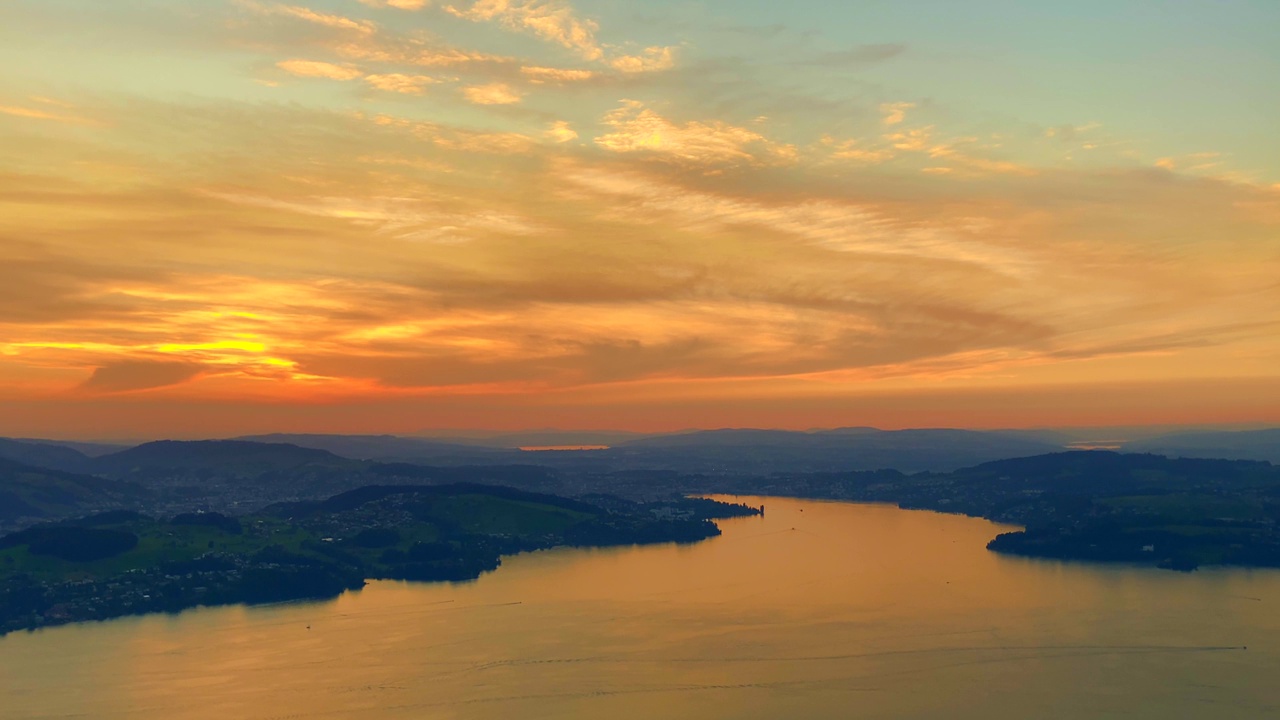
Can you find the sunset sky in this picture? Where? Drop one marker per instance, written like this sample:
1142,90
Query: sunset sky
231,216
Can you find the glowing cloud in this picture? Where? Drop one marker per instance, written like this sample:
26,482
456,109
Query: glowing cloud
400,4
562,132
37,114
319,69
416,55
552,20
556,75
338,22
475,229
396,82
651,60
492,94
852,150
895,113
638,129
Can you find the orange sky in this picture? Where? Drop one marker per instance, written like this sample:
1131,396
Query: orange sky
390,216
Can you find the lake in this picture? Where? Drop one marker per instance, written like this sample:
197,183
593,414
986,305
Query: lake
816,610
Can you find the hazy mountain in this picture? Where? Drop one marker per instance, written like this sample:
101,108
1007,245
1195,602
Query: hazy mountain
32,492
88,449
1106,473
768,451
225,458
1238,445
538,438
53,457
385,447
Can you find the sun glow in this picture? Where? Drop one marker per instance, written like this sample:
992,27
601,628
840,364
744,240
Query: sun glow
367,205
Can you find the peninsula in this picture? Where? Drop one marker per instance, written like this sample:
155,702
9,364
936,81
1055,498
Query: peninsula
122,562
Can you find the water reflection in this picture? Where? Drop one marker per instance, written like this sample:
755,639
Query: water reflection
817,610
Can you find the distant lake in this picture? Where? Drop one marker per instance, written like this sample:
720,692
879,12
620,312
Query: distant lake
817,610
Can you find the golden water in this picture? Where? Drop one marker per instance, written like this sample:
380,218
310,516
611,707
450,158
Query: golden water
817,610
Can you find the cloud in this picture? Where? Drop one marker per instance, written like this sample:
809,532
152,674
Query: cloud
400,4
962,156
637,129
36,114
368,254
950,152
1069,133
399,217
562,132
51,101
415,54
319,69
652,59
537,74
482,142
557,22
829,224
552,20
895,113
337,22
396,82
852,150
139,375
492,94
912,140
459,139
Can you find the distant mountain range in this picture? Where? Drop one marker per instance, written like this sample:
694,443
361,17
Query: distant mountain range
388,448
710,451
228,458
770,451
726,451
537,438
1239,445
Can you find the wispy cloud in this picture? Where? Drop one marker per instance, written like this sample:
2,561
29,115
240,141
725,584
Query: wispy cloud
895,113
41,114
537,74
319,69
651,59
856,151
492,94
400,83
337,22
553,20
400,4
638,129
415,54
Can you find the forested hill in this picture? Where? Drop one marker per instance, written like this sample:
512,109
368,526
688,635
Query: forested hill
52,457
29,494
1088,505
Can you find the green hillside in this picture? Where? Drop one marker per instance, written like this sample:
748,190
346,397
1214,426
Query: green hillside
119,563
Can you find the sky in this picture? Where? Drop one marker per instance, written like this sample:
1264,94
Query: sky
233,216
